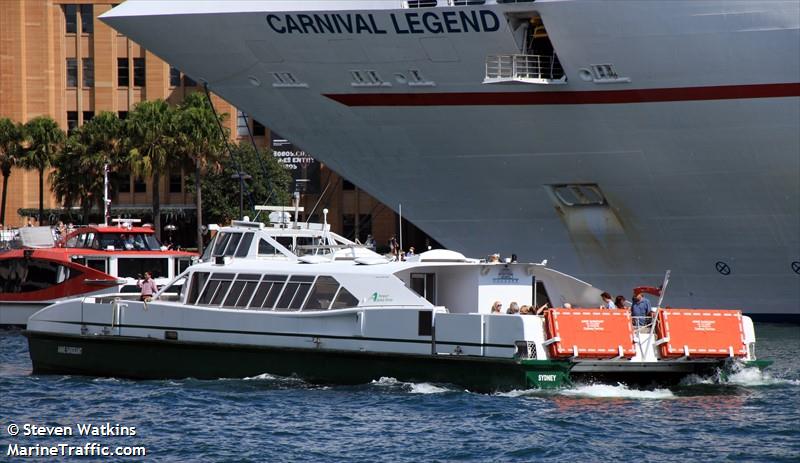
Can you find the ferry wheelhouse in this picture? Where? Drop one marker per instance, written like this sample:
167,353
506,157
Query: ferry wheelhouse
301,300
38,268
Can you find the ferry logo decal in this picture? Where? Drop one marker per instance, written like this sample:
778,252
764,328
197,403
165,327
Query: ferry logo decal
380,297
70,350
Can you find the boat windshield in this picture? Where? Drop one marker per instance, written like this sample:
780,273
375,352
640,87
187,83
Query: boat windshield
117,241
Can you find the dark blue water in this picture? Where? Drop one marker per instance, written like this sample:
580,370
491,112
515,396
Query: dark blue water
751,417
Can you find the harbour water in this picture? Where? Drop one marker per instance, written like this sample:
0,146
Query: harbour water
751,416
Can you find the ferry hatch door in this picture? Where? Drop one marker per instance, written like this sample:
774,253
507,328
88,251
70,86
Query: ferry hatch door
424,284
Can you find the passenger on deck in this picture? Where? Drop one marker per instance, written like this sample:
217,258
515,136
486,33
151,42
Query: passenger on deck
608,302
619,302
411,252
494,258
541,309
640,310
497,307
513,309
524,310
567,305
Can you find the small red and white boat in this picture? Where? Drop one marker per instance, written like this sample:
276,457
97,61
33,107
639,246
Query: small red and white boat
38,268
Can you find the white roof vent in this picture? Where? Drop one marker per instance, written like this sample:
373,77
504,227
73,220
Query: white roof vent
313,259
442,255
371,260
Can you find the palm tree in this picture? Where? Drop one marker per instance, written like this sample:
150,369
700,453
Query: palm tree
79,177
10,148
151,136
44,139
200,142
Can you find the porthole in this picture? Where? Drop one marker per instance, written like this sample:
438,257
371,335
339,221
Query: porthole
723,268
796,267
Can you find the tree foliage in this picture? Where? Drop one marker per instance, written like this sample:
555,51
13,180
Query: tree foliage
221,192
44,138
11,138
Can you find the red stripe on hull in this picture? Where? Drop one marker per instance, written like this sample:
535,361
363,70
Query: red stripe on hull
656,95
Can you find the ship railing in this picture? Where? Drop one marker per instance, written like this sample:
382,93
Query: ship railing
524,68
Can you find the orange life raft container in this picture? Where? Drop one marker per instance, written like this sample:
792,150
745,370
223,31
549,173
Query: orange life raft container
590,333
701,333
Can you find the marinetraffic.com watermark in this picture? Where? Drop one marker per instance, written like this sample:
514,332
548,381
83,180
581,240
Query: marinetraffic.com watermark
90,435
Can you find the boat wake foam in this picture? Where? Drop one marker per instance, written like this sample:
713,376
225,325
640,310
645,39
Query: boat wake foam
413,388
745,377
620,391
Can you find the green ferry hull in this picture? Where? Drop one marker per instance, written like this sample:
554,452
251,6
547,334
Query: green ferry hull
142,358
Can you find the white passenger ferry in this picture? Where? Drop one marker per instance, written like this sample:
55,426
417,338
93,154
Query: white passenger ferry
301,300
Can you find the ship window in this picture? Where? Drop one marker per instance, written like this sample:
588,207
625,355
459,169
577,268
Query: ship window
250,283
135,267
344,300
219,283
244,246
235,293
24,275
323,293
222,241
266,249
181,264
267,292
421,3
295,292
222,290
198,281
230,250
97,264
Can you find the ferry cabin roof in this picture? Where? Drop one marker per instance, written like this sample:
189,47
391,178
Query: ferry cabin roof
334,273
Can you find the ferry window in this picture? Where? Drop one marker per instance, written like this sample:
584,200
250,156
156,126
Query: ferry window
224,285
295,292
250,284
131,267
234,293
322,295
230,250
244,246
213,287
198,281
286,242
182,264
266,249
268,292
97,264
344,300
222,241
540,294
23,275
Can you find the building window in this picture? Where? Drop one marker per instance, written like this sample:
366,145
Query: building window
174,77
138,72
258,129
87,19
124,183
139,185
241,124
364,226
88,72
72,72
71,17
175,183
72,121
188,81
122,115
123,78
88,116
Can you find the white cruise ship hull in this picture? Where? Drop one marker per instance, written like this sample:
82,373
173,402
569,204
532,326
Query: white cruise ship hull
695,147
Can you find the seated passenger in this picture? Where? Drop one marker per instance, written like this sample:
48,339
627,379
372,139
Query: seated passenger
497,307
513,309
640,310
608,302
524,310
567,305
619,302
